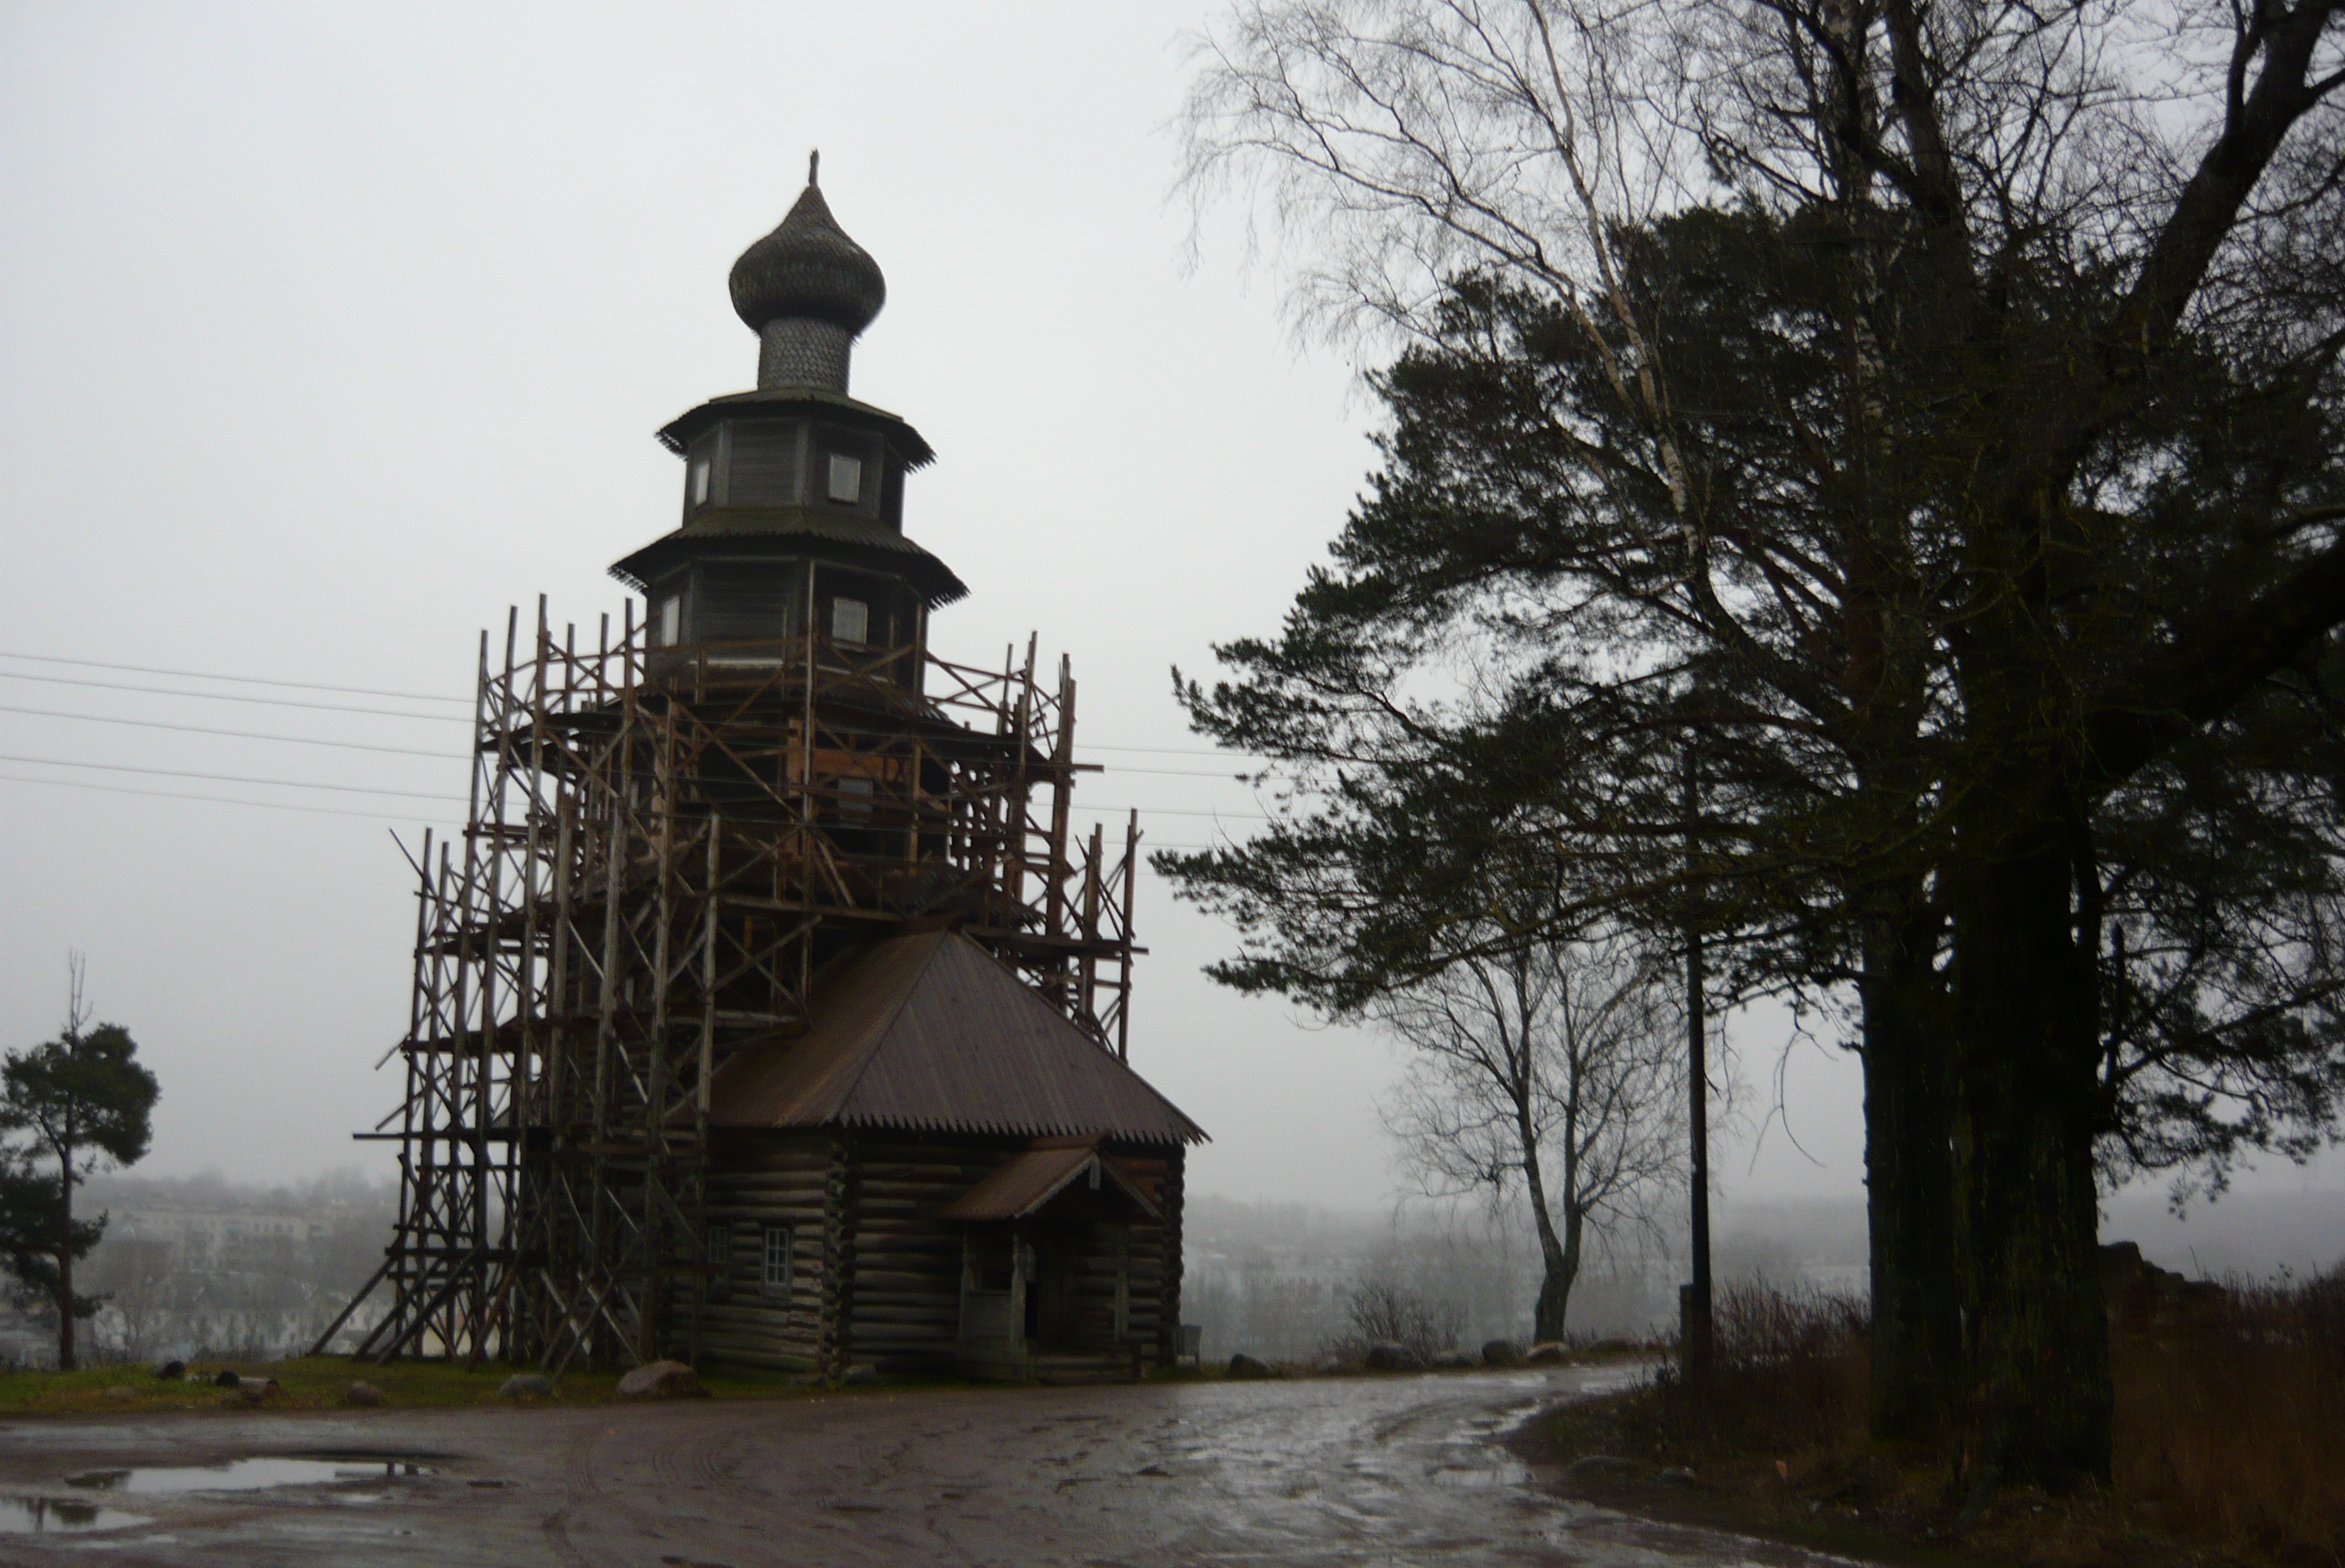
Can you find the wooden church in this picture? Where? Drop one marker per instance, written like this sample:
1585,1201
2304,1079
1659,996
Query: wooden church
772,1008
945,1170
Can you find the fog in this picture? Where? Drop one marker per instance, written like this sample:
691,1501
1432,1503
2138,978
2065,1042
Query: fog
328,332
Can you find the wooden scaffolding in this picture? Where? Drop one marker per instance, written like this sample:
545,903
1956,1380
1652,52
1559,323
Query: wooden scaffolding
664,846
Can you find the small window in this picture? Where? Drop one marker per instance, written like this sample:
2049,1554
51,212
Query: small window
672,620
847,478
850,621
774,1278
700,471
854,803
720,1248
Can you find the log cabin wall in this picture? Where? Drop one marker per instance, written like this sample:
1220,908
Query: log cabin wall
757,1182
1154,1309
875,1275
906,1315
1169,1191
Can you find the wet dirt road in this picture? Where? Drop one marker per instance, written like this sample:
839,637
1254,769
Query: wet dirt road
1332,1472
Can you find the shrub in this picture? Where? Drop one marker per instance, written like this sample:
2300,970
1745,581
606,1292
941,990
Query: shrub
1379,1312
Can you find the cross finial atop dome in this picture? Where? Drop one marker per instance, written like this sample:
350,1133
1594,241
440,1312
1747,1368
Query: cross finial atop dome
815,166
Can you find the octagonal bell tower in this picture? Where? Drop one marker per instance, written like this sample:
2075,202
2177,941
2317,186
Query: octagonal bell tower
794,495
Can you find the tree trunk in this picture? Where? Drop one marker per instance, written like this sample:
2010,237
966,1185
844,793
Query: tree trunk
1558,1256
65,1349
2027,1114
1909,1183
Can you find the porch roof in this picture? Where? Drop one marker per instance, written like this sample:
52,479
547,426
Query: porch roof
1034,1177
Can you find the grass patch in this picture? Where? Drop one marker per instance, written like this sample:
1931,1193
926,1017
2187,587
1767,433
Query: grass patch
2229,1429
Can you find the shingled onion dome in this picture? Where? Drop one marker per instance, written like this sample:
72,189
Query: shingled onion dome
806,290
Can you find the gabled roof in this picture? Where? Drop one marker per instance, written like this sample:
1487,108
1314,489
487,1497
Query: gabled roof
933,1032
1029,1182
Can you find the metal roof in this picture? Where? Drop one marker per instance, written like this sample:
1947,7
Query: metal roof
785,528
819,401
930,1031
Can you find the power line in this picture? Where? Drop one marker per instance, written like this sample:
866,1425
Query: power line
408,696
1176,812
428,795
231,777
216,800
248,679
1233,777
239,734
1176,750
413,751
233,697
413,697
315,810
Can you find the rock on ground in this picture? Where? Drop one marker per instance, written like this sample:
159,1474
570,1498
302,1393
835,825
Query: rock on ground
1551,1353
663,1380
527,1384
1501,1353
1391,1357
249,1392
362,1393
1244,1365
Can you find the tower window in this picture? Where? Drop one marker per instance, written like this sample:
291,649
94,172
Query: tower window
702,469
847,478
672,620
854,799
720,1248
773,1277
850,621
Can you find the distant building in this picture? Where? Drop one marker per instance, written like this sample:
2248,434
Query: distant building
200,1238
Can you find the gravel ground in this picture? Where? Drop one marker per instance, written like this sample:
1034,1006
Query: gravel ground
1334,1472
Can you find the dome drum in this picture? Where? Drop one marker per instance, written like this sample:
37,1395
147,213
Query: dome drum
801,351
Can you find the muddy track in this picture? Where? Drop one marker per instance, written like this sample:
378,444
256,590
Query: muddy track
1329,1473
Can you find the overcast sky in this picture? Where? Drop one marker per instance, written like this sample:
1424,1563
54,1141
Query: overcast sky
327,332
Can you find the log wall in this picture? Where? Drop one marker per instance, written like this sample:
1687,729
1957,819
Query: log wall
876,1276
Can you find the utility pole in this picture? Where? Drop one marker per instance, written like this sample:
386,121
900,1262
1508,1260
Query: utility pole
1693,1301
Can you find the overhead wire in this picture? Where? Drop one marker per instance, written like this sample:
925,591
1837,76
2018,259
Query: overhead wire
296,806
229,778
214,800
413,697
247,680
430,795
234,697
434,754
444,756
238,734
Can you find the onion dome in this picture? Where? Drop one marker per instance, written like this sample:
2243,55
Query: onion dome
808,269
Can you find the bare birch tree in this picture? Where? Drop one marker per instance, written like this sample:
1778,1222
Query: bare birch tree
1552,1071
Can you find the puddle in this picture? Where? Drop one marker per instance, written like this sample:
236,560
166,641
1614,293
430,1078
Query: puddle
60,1516
242,1476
